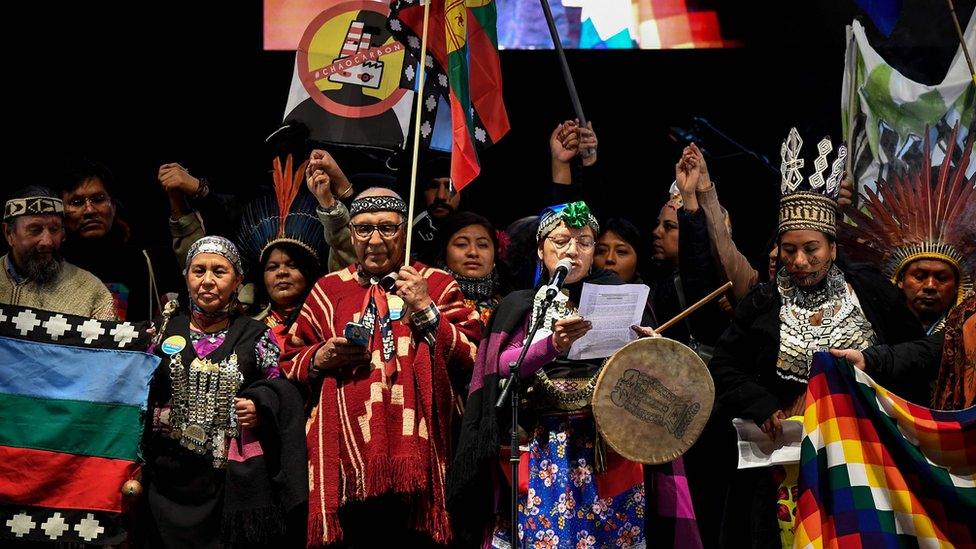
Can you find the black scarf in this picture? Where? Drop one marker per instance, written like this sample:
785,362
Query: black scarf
264,492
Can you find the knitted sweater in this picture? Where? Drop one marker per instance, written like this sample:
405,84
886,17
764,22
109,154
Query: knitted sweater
75,292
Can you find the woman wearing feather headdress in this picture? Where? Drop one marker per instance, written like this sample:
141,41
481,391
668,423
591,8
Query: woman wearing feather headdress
283,237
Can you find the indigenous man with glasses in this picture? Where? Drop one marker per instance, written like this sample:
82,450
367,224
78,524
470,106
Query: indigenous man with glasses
100,241
380,426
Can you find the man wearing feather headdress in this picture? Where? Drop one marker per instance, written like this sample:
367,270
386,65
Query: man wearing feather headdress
922,232
924,235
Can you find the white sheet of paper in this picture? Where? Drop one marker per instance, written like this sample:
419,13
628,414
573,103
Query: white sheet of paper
612,310
756,450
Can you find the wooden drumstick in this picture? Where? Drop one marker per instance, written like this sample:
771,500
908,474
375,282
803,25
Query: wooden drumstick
694,307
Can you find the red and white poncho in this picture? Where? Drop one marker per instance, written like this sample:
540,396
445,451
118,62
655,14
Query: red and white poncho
371,434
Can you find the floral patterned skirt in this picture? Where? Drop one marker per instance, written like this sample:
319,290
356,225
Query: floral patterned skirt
564,507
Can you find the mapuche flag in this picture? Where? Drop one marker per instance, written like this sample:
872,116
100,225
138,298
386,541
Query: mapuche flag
73,395
462,64
879,471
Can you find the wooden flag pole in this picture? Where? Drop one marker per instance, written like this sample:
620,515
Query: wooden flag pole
962,39
421,73
694,307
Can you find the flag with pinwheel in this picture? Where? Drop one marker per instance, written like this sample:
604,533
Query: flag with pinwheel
879,471
73,395
462,65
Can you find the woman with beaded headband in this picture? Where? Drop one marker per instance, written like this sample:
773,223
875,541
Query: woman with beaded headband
203,426
564,499
762,361
283,238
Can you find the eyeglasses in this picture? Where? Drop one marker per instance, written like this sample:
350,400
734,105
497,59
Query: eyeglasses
562,242
387,230
96,200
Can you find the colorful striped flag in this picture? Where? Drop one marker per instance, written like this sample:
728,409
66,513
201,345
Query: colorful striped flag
462,64
73,394
878,471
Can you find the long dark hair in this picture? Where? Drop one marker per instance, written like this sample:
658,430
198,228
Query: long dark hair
631,235
459,220
306,264
520,255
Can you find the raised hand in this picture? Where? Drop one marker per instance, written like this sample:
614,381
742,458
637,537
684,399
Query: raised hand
564,142
175,179
704,180
318,180
588,144
845,194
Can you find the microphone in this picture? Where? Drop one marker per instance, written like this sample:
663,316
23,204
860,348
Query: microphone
559,275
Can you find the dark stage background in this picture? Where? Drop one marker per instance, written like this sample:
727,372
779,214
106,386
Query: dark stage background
189,82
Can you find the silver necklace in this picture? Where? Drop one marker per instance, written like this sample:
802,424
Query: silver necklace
842,323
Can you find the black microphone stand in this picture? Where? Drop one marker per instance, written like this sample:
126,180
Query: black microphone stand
510,393
746,150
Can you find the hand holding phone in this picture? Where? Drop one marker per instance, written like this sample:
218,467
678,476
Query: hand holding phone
338,352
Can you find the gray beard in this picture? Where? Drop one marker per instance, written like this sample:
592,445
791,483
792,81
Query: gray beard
44,272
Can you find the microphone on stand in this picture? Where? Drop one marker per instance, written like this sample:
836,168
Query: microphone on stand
559,275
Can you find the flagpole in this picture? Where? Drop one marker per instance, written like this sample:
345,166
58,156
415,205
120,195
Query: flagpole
421,73
962,39
852,102
567,75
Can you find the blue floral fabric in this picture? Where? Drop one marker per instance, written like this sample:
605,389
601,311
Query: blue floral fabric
562,508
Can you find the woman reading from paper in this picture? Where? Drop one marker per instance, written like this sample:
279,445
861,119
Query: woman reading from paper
563,499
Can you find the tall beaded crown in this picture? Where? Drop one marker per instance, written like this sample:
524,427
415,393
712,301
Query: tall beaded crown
809,204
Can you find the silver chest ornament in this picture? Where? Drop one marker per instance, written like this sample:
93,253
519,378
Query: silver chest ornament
842,323
202,415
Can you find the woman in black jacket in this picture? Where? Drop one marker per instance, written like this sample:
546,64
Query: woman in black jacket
762,361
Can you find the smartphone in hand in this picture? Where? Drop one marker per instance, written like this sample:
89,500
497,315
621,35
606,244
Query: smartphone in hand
356,333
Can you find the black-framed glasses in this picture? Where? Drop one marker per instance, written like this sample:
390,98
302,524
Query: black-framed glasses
95,200
386,230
